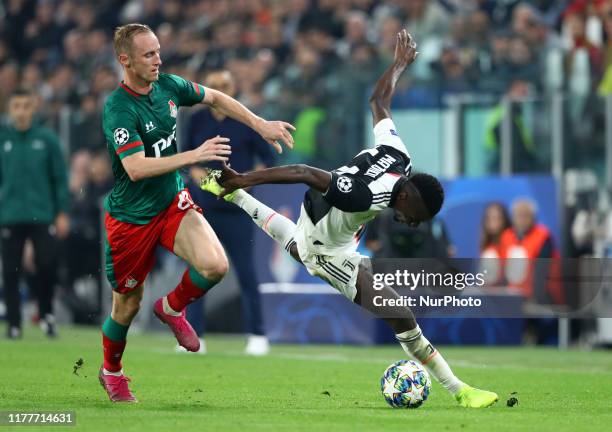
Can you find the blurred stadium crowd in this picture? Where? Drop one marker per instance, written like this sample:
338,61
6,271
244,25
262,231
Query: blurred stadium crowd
309,62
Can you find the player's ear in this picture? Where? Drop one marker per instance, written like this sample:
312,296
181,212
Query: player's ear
124,60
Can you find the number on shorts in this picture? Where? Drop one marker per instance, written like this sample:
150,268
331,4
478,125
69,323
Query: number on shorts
185,201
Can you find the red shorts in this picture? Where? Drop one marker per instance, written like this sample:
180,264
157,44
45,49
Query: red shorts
130,248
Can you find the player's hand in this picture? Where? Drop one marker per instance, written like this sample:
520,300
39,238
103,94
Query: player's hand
405,49
231,180
214,149
276,131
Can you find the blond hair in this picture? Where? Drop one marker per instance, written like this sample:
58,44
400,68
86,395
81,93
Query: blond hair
124,35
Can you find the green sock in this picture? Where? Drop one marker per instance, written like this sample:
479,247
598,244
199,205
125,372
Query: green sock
113,330
200,281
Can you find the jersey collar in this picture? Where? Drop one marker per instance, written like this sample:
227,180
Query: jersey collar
133,93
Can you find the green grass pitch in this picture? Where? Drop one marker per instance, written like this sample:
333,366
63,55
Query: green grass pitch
227,391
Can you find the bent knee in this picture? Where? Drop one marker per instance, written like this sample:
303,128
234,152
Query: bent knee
213,270
218,270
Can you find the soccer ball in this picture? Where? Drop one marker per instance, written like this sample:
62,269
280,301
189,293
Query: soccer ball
405,384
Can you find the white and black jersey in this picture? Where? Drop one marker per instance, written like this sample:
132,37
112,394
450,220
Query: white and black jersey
357,193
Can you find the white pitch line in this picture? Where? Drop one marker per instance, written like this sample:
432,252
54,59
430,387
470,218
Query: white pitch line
377,360
459,363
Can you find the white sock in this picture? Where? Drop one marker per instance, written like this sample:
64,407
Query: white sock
167,308
418,347
105,372
277,226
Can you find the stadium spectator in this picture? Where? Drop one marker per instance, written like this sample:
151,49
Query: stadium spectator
355,33
532,264
524,158
495,76
452,73
426,19
9,79
582,51
34,194
387,30
232,226
495,221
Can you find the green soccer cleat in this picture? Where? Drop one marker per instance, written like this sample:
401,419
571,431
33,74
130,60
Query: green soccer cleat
209,183
470,397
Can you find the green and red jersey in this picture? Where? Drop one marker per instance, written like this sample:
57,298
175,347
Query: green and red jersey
133,123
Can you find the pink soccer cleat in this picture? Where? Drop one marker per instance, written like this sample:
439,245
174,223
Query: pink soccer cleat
184,333
116,387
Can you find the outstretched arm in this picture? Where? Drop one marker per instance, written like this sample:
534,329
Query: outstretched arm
271,131
313,177
405,54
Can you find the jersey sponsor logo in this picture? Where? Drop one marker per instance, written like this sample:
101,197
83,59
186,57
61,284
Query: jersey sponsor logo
345,184
131,282
121,136
381,166
149,127
173,108
8,146
163,143
38,144
393,132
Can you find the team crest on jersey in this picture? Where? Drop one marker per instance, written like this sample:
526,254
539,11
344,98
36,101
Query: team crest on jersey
345,184
121,136
173,108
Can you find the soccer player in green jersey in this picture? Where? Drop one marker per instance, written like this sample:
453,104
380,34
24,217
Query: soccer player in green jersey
149,204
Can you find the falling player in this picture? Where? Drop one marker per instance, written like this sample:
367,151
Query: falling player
337,206
149,204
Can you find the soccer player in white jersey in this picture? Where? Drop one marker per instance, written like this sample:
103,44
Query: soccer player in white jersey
338,205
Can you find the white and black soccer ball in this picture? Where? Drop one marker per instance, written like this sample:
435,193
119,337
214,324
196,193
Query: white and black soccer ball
121,136
345,184
405,384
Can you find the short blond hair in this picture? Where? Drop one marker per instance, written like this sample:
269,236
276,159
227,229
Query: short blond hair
124,35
